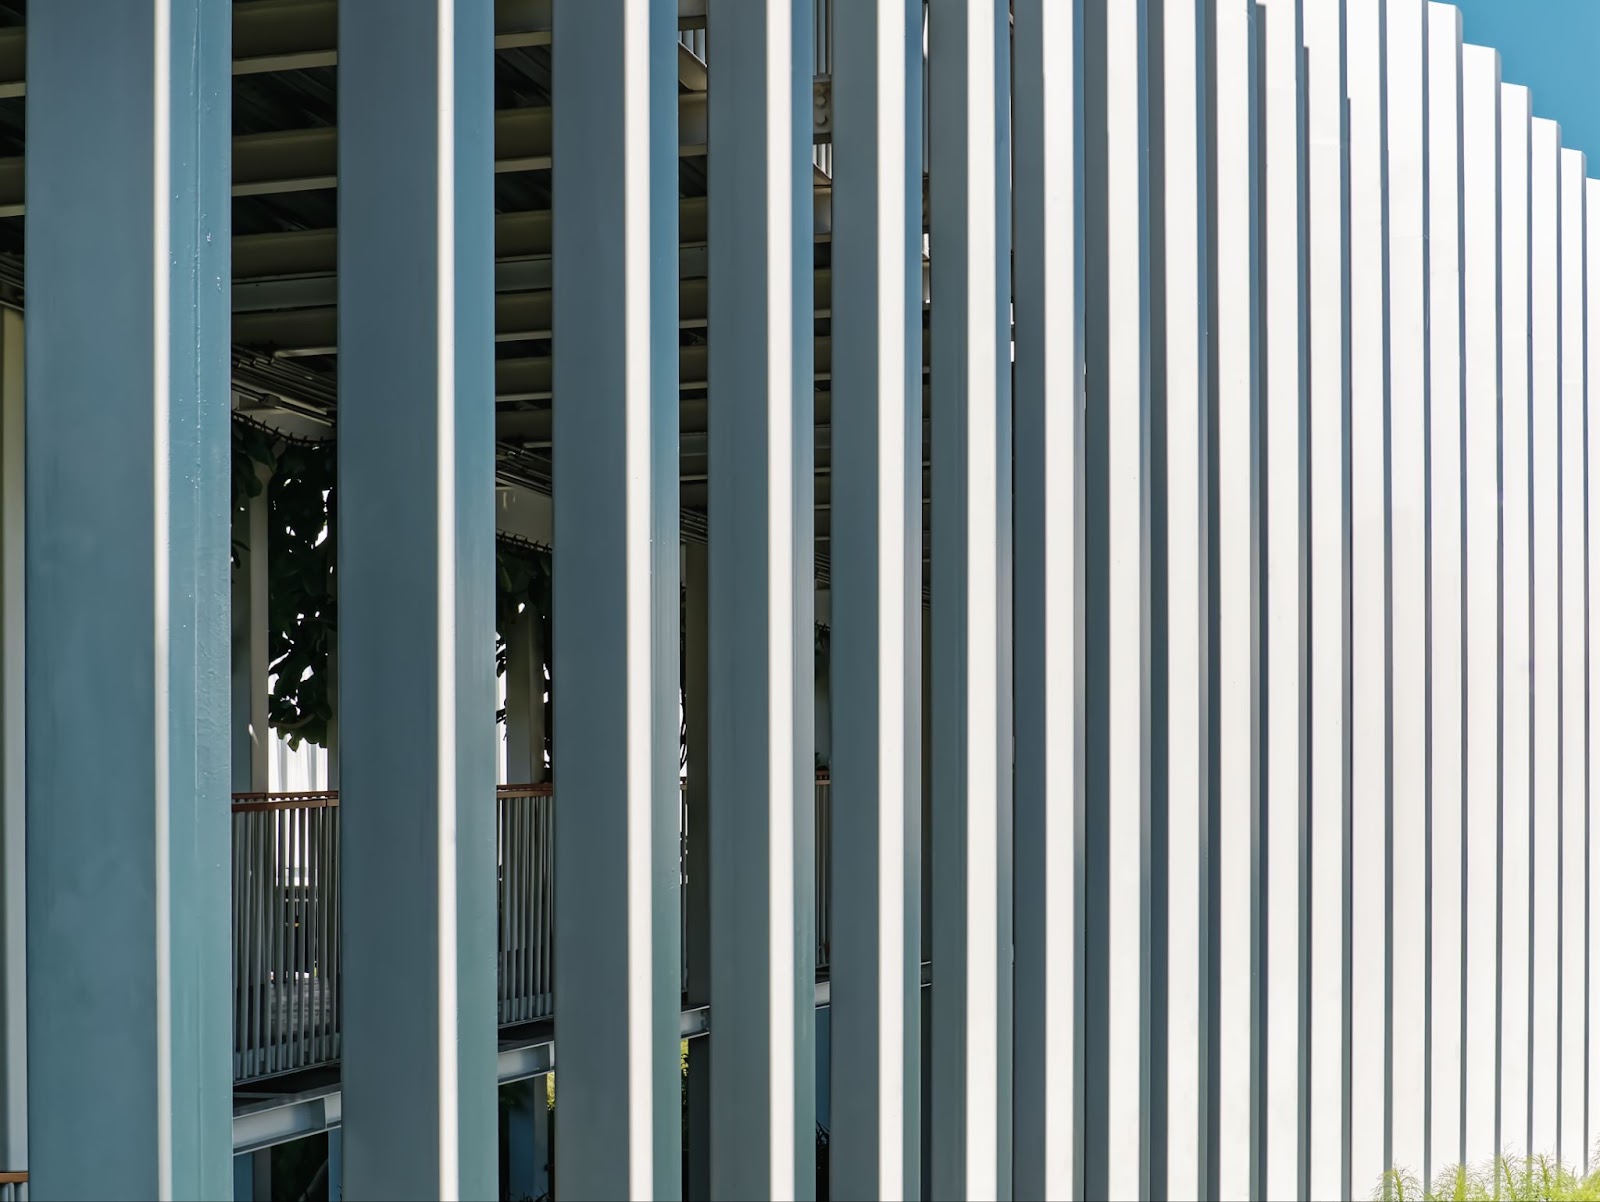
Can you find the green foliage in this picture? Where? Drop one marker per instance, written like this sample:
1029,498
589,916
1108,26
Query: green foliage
1507,1179
302,598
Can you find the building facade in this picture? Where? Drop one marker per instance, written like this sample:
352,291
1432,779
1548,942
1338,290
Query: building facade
1042,555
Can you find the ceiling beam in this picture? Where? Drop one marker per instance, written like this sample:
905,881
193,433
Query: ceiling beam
299,160
517,235
519,316
292,35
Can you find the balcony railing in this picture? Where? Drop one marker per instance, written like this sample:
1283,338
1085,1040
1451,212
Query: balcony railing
286,922
13,1187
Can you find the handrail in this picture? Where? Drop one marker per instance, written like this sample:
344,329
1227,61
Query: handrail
256,803
250,803
13,1178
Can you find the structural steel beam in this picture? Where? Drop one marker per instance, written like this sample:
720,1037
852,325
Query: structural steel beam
619,1126
416,554
762,654
126,559
291,35
299,160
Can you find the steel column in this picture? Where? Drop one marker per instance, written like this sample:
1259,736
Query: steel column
1571,928
970,244
1048,106
1177,207
876,602
1406,874
762,648
1446,595
1328,430
1237,650
1480,218
1545,797
416,563
127,565
1369,637
1285,497
618,1128
1516,526
1592,828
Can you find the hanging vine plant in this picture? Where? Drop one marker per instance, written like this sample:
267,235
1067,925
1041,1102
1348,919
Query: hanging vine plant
302,599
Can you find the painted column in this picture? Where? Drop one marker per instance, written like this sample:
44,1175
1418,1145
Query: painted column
1447,552
876,602
697,806
1049,112
1329,239
762,593
1236,201
1285,630
616,596
1405,78
527,1123
1179,173
127,564
335,1164
13,736
1516,524
416,562
1480,218
1592,828
970,242
1545,798
1571,869
1369,637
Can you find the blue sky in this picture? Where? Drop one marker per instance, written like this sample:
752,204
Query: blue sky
1553,46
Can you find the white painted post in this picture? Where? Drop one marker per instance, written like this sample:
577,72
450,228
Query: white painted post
762,596
1406,888
1546,467
1447,551
1238,1063
970,247
1369,633
1480,215
1285,629
1516,150
1592,829
1572,834
1176,219
1329,237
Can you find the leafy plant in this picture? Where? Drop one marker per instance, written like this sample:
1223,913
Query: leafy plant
299,478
